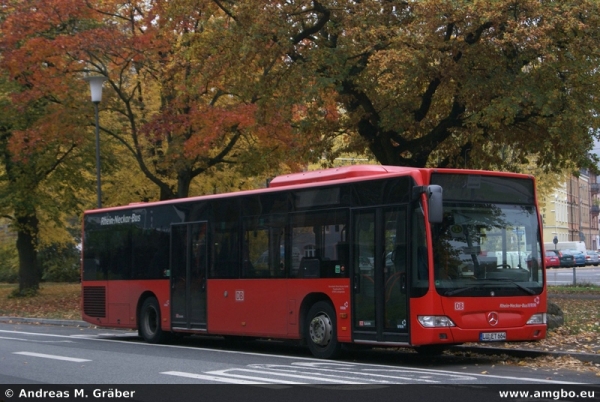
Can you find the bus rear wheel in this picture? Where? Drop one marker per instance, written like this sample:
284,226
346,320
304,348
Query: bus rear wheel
149,322
321,332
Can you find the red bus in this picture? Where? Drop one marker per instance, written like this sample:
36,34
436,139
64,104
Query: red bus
371,255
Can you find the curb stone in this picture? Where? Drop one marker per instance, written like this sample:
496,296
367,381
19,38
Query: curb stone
45,321
490,350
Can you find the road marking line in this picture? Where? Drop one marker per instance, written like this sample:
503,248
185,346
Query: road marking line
125,335
14,339
369,374
212,378
298,358
225,373
29,340
83,336
70,359
341,377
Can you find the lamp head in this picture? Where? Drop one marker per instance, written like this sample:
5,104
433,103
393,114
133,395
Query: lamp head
96,87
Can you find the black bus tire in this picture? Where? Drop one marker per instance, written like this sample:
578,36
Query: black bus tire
149,322
321,331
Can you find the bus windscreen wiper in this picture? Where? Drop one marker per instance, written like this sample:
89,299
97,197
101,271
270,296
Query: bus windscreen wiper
466,288
517,284
460,290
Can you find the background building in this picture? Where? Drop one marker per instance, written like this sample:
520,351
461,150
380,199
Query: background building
571,212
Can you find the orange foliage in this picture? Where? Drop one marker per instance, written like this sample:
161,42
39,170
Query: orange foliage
183,76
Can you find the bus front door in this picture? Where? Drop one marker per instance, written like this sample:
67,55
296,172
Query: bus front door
188,275
380,299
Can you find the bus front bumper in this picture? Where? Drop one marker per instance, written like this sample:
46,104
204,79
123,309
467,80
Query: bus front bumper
456,335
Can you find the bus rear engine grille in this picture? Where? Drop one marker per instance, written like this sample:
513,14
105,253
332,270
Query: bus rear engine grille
94,301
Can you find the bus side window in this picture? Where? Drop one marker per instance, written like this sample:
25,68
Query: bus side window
320,237
248,270
225,251
264,247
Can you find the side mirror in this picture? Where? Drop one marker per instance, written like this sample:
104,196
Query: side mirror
435,203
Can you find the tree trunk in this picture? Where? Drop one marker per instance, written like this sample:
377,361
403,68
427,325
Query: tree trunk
184,179
29,279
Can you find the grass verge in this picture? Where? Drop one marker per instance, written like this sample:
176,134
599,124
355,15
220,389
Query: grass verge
53,300
581,307
582,288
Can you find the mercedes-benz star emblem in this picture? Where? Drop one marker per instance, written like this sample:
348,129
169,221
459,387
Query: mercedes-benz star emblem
493,318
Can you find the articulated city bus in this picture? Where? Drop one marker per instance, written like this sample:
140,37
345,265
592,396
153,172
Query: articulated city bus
370,255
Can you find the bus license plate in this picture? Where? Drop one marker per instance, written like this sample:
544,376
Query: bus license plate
492,336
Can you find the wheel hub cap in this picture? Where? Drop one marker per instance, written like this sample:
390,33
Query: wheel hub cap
320,330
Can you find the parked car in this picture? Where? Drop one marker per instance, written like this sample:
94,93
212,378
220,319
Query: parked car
552,260
566,259
579,257
592,258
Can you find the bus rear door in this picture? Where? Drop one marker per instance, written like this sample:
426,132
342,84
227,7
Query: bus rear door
380,312
189,259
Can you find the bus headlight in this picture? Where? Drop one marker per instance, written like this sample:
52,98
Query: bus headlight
435,321
537,319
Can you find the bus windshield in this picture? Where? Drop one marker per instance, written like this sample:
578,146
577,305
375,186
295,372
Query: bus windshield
487,249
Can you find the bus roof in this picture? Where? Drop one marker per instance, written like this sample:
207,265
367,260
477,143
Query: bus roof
321,178
345,172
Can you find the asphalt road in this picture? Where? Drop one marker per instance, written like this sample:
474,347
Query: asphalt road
43,354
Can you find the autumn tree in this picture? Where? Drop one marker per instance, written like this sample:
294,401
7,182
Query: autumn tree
446,83
175,102
46,153
188,91
197,84
37,170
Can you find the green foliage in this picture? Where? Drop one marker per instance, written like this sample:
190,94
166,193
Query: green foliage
9,264
59,263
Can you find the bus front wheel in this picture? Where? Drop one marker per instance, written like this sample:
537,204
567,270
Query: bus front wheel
321,332
149,323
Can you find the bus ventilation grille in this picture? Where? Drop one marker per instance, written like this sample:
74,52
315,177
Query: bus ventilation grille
94,301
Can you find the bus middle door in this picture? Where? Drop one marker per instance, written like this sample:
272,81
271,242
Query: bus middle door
189,260
379,281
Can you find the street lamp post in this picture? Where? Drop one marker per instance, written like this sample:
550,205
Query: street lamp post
96,90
